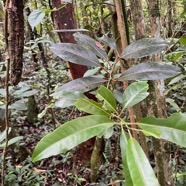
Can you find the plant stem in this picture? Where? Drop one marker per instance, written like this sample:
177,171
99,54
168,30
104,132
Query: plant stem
6,122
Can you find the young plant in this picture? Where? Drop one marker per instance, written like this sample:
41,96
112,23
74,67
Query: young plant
104,113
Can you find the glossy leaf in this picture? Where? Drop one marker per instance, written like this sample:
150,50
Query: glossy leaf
135,93
82,84
107,96
90,44
75,54
124,137
144,47
108,41
36,17
91,107
68,98
70,135
149,71
172,129
140,169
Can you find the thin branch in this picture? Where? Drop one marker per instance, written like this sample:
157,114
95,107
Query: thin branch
6,122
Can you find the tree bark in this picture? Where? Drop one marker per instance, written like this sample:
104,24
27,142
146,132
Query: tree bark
157,107
14,25
169,18
140,32
64,19
138,18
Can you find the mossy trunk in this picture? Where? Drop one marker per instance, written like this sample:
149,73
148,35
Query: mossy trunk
32,110
97,158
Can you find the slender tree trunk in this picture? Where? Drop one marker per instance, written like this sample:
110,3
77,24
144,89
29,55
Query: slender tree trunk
138,18
157,107
14,37
122,27
14,25
169,18
140,32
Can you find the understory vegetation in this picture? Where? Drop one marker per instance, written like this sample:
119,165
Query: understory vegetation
93,93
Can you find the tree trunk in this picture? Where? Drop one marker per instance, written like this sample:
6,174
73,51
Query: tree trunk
140,32
169,18
14,25
138,18
157,107
64,19
14,37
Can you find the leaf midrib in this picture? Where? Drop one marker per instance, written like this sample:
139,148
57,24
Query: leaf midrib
146,48
146,87
66,137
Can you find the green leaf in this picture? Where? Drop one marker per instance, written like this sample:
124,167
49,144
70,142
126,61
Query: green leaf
3,92
182,40
118,95
3,134
178,55
68,99
43,113
124,137
183,14
108,41
23,87
173,104
19,105
177,79
12,141
172,129
91,72
107,96
144,47
109,132
36,17
90,44
140,169
28,93
75,54
91,107
135,93
70,135
149,71
82,84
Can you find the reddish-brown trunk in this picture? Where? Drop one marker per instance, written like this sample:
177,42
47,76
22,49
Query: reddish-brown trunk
64,19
